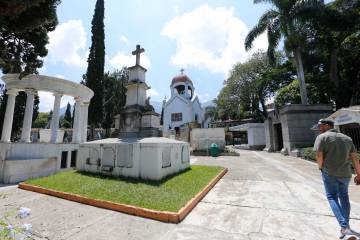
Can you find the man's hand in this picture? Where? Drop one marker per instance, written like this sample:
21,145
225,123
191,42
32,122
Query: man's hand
357,180
356,165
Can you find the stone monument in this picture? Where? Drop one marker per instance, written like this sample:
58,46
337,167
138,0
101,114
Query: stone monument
138,118
138,152
26,159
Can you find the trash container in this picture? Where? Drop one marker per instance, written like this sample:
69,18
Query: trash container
214,150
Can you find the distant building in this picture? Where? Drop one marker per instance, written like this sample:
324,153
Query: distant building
183,106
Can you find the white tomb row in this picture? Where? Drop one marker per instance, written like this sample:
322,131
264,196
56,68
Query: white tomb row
24,159
147,158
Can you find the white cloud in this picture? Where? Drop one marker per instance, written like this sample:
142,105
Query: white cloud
203,97
124,39
65,100
210,38
68,44
59,76
47,101
152,93
127,60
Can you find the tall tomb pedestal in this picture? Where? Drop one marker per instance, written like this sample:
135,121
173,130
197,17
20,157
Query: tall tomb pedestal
138,118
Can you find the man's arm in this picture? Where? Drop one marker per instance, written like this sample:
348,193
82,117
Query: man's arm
355,163
320,159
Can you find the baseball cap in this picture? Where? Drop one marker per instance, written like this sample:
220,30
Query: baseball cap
326,121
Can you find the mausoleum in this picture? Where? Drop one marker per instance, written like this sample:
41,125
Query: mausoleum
249,136
288,129
138,152
24,159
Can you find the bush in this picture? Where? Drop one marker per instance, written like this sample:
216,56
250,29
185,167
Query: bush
309,154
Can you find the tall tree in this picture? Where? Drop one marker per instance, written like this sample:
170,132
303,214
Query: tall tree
285,20
66,121
95,71
114,96
332,52
23,33
23,39
67,115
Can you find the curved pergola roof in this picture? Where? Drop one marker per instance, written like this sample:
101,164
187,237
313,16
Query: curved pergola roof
48,84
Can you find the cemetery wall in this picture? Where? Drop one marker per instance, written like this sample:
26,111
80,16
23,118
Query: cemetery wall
202,138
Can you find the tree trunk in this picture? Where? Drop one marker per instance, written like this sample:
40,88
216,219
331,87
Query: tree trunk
300,73
264,108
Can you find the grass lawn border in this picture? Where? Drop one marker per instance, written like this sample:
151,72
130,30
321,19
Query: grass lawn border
163,216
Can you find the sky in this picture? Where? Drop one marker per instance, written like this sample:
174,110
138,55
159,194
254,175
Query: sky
205,37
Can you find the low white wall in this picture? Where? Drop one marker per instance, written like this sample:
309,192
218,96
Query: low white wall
201,138
20,161
256,136
45,135
20,170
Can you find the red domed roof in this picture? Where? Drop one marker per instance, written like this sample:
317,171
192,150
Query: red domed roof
181,78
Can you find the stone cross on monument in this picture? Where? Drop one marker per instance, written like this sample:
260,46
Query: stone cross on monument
137,53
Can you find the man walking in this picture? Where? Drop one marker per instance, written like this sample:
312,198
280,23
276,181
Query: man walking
333,150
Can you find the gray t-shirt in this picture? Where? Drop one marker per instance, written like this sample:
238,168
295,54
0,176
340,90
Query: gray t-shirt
336,148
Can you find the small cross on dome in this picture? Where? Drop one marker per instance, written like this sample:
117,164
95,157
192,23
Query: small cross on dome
182,71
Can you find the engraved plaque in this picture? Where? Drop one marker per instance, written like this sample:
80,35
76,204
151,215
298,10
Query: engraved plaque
94,156
108,157
166,157
125,156
185,156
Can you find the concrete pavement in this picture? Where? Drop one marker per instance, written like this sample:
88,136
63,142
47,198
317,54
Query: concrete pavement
263,196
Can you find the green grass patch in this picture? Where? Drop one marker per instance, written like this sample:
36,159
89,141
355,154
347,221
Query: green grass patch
169,194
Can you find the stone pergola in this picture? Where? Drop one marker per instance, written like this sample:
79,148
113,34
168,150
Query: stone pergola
30,84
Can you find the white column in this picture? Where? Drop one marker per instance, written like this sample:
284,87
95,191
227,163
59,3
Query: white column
9,115
26,129
55,117
77,121
85,111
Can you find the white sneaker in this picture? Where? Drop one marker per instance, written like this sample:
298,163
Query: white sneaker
347,234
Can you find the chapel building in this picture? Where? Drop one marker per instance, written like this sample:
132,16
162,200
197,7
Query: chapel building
183,106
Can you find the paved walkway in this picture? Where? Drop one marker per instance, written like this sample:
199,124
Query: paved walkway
263,196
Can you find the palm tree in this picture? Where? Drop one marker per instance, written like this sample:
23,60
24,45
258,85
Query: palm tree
285,20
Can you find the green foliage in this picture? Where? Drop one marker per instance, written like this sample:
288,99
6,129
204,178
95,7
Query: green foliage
67,115
169,194
95,71
250,84
332,50
286,19
309,154
65,123
290,94
23,33
114,95
41,121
